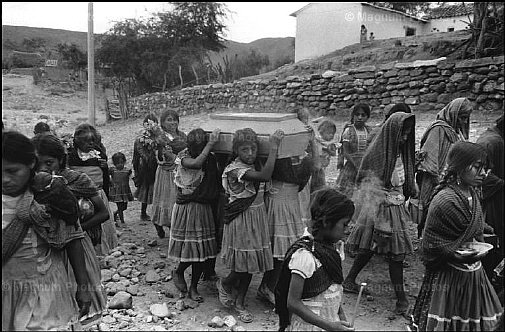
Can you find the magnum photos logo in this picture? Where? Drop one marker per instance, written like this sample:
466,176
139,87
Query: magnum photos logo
376,17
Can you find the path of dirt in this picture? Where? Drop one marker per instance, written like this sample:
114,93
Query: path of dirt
24,104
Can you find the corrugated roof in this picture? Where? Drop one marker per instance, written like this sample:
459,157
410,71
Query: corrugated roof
450,11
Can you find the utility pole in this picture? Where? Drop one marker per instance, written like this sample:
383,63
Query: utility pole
91,67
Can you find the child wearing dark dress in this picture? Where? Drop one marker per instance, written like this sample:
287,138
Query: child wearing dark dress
120,192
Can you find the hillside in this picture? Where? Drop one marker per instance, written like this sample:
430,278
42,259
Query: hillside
406,49
13,36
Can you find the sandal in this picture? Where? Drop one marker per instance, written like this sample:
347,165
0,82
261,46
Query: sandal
244,315
224,296
351,287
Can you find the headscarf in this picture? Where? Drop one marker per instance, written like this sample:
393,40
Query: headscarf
380,158
400,107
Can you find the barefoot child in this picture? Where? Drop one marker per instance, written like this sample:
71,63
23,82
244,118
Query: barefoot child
120,192
308,295
192,235
246,240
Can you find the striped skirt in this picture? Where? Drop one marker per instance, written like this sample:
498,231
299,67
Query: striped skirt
109,236
246,241
454,299
284,217
164,197
193,234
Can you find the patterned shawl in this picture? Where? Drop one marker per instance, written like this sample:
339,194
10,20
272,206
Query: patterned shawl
450,223
79,183
439,136
380,158
207,191
29,213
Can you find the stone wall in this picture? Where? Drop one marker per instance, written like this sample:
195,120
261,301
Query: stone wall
424,85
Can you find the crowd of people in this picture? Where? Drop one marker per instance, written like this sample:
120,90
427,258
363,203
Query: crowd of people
261,215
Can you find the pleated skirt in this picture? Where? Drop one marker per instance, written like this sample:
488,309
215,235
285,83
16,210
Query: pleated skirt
193,234
246,241
284,218
454,300
164,197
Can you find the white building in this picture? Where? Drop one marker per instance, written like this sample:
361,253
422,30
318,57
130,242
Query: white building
450,18
322,28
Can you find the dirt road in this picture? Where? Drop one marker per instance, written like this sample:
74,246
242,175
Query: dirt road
25,104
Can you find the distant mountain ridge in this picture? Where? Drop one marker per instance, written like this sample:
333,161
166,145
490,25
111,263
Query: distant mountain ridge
12,36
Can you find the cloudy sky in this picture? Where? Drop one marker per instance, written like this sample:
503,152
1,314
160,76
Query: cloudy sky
248,21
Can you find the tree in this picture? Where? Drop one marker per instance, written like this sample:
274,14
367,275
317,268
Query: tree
154,52
34,44
411,8
75,58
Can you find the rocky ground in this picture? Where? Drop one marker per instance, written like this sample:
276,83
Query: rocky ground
136,274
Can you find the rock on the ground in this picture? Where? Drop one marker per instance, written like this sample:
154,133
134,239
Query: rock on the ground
229,321
163,255
159,265
122,300
116,277
179,305
103,327
216,322
160,310
133,289
237,328
369,298
108,320
149,319
189,303
159,328
122,325
125,272
106,275
152,243
152,276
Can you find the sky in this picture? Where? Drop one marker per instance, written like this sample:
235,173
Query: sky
247,22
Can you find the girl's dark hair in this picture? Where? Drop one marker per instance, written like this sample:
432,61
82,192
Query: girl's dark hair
241,136
361,106
151,117
327,125
197,139
460,156
118,157
328,206
41,127
50,145
168,113
85,128
400,107
17,148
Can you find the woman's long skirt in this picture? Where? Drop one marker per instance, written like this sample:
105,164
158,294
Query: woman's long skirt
164,197
193,234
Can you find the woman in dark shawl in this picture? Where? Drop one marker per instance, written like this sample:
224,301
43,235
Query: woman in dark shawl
145,164
456,294
492,190
386,180
452,125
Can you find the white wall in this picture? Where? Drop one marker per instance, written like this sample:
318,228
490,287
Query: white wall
322,28
442,24
385,24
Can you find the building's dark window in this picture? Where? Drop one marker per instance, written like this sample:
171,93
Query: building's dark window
450,29
410,31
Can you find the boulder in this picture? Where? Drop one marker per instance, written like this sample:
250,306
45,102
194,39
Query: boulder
229,321
216,322
159,310
122,300
132,289
106,275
